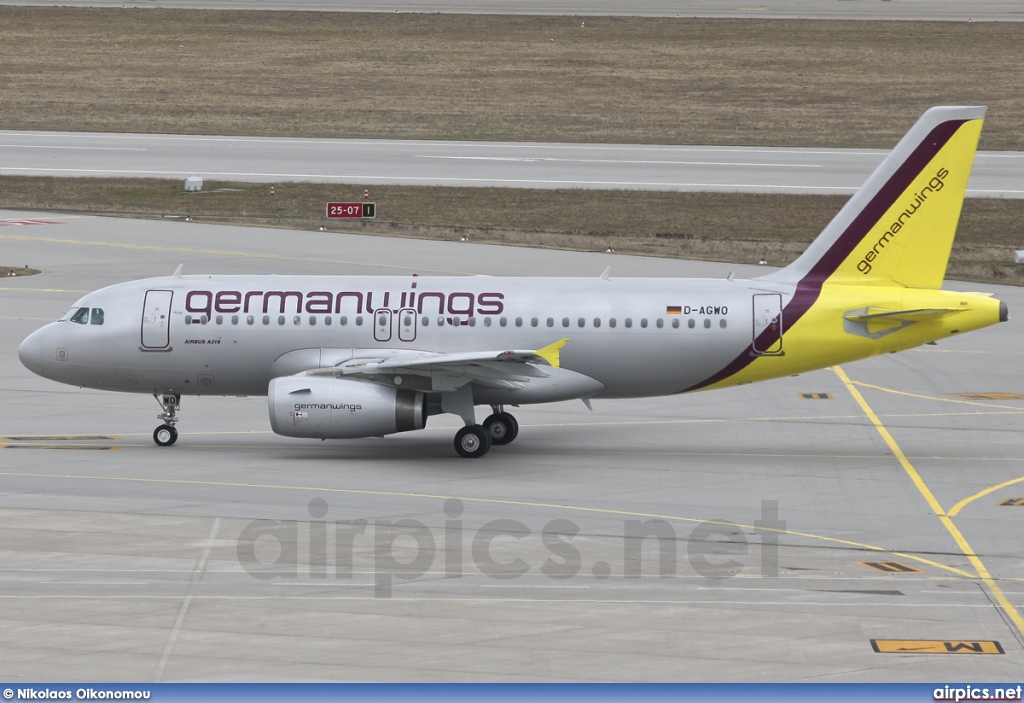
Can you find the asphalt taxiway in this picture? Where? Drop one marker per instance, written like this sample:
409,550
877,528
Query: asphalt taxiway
947,10
996,174
240,555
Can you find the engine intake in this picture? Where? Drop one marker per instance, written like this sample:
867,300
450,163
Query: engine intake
330,408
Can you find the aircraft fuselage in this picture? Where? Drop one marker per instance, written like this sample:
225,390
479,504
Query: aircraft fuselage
230,335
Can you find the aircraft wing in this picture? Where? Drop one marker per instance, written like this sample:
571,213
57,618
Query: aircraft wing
449,372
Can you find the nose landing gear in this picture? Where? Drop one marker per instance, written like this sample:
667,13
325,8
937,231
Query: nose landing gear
165,435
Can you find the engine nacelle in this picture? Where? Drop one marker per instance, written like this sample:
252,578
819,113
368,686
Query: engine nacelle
330,408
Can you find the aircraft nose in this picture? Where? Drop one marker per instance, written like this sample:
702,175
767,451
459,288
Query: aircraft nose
31,352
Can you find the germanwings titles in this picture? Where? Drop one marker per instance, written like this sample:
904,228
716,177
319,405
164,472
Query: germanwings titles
343,357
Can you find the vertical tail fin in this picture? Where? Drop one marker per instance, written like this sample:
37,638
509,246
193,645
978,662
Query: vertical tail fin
898,229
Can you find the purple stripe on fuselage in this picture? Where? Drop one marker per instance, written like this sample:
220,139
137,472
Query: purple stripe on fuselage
809,287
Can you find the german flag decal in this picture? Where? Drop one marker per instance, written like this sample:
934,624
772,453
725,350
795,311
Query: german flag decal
674,310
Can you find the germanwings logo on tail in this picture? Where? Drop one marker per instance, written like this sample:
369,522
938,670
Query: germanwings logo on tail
934,186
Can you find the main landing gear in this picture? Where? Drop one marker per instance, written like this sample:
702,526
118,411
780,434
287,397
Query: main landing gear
165,435
473,441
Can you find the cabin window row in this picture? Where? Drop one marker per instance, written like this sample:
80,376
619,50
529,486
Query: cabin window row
582,322
407,321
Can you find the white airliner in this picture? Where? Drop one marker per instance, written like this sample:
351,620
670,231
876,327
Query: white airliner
342,357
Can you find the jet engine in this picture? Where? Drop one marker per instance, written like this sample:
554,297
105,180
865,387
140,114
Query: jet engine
330,408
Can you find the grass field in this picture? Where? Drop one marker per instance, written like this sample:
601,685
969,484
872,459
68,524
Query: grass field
475,77
737,227
482,77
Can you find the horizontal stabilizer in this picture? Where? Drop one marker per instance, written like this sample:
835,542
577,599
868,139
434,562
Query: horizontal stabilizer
919,315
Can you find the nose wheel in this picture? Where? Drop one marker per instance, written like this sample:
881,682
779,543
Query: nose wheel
165,435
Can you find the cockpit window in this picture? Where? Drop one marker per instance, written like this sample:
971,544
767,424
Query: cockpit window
81,316
77,315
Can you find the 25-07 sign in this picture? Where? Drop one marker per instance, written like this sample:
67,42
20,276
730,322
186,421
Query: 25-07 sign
366,211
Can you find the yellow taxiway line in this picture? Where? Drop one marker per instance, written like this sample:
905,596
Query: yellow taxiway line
922,487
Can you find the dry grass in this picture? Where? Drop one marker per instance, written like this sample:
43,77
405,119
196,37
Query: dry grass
619,79
735,227
475,77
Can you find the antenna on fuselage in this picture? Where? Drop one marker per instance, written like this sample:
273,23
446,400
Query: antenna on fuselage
177,271
607,274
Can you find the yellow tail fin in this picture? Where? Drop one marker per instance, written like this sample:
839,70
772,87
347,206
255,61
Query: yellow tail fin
898,229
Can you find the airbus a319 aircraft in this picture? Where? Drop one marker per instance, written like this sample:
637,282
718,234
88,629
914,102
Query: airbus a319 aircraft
344,357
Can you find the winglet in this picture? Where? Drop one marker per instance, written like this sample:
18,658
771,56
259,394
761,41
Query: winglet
550,353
